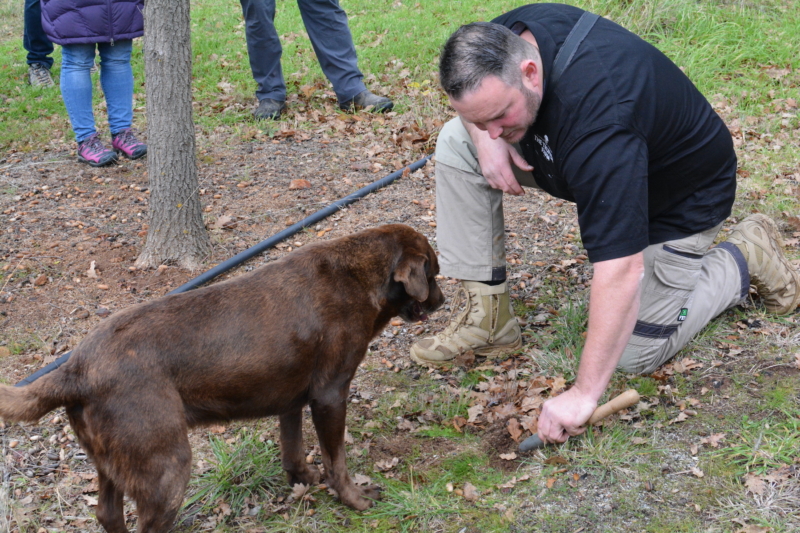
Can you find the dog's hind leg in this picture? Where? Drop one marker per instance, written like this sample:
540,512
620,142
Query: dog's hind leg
161,485
292,459
329,413
110,512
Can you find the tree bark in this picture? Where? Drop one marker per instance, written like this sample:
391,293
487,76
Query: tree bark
176,232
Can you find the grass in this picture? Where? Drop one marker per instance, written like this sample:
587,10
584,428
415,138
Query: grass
244,471
743,57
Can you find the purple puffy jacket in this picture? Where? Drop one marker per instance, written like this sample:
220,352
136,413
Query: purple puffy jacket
92,21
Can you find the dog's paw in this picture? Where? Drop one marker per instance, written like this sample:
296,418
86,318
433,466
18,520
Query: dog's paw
360,498
307,476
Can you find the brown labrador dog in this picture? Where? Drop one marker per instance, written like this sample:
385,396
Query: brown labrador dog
269,342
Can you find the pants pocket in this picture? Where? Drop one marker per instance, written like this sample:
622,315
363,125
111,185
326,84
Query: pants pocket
672,281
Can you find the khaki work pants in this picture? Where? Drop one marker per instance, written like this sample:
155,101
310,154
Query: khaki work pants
686,283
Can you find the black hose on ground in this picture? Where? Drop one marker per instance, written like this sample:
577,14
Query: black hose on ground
253,251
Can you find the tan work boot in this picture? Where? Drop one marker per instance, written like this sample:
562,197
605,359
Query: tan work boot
487,326
776,281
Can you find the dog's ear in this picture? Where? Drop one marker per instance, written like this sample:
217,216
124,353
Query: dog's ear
411,273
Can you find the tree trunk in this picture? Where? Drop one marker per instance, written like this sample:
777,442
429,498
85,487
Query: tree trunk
176,232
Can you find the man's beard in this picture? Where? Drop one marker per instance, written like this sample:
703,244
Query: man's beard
532,102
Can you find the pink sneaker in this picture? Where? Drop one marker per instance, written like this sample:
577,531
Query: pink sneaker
92,150
125,142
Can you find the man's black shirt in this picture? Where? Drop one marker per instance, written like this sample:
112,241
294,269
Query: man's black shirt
626,136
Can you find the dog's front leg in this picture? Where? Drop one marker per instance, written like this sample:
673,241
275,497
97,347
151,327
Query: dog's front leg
292,458
329,413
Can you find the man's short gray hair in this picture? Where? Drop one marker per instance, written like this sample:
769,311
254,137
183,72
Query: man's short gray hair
478,50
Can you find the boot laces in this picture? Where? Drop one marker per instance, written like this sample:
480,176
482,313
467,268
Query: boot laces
42,75
93,145
455,322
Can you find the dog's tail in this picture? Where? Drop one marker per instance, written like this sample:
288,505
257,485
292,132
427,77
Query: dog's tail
32,402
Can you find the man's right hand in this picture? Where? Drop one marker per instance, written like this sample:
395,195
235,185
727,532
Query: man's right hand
496,157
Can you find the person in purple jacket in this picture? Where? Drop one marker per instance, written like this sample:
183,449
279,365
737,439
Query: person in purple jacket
83,28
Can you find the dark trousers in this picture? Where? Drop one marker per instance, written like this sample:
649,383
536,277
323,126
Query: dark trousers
326,24
34,39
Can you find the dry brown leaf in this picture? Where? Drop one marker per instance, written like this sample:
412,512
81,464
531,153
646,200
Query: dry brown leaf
504,410
530,403
559,383
697,472
299,490
514,429
224,222
387,464
406,425
474,412
299,184
752,528
550,482
471,494
713,440
465,359
680,418
754,484
777,73
685,365
513,482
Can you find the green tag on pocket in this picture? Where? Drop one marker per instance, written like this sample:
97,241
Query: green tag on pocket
682,316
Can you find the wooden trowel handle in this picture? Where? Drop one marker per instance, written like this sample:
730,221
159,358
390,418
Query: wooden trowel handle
626,399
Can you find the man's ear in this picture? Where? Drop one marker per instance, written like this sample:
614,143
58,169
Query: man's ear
411,273
530,74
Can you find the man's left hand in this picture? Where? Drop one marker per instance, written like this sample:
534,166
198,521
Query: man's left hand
565,415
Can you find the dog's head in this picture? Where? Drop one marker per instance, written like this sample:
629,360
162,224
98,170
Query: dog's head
415,271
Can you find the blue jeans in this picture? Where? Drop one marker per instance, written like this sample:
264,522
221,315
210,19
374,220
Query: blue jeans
34,40
326,24
116,77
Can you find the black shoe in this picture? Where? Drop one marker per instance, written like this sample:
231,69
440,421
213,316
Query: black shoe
365,99
269,109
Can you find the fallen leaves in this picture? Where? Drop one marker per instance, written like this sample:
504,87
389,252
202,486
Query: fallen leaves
682,417
514,429
224,222
470,493
685,365
713,440
754,484
386,464
511,484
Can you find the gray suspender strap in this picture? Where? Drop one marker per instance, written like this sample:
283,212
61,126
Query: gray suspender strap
571,44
